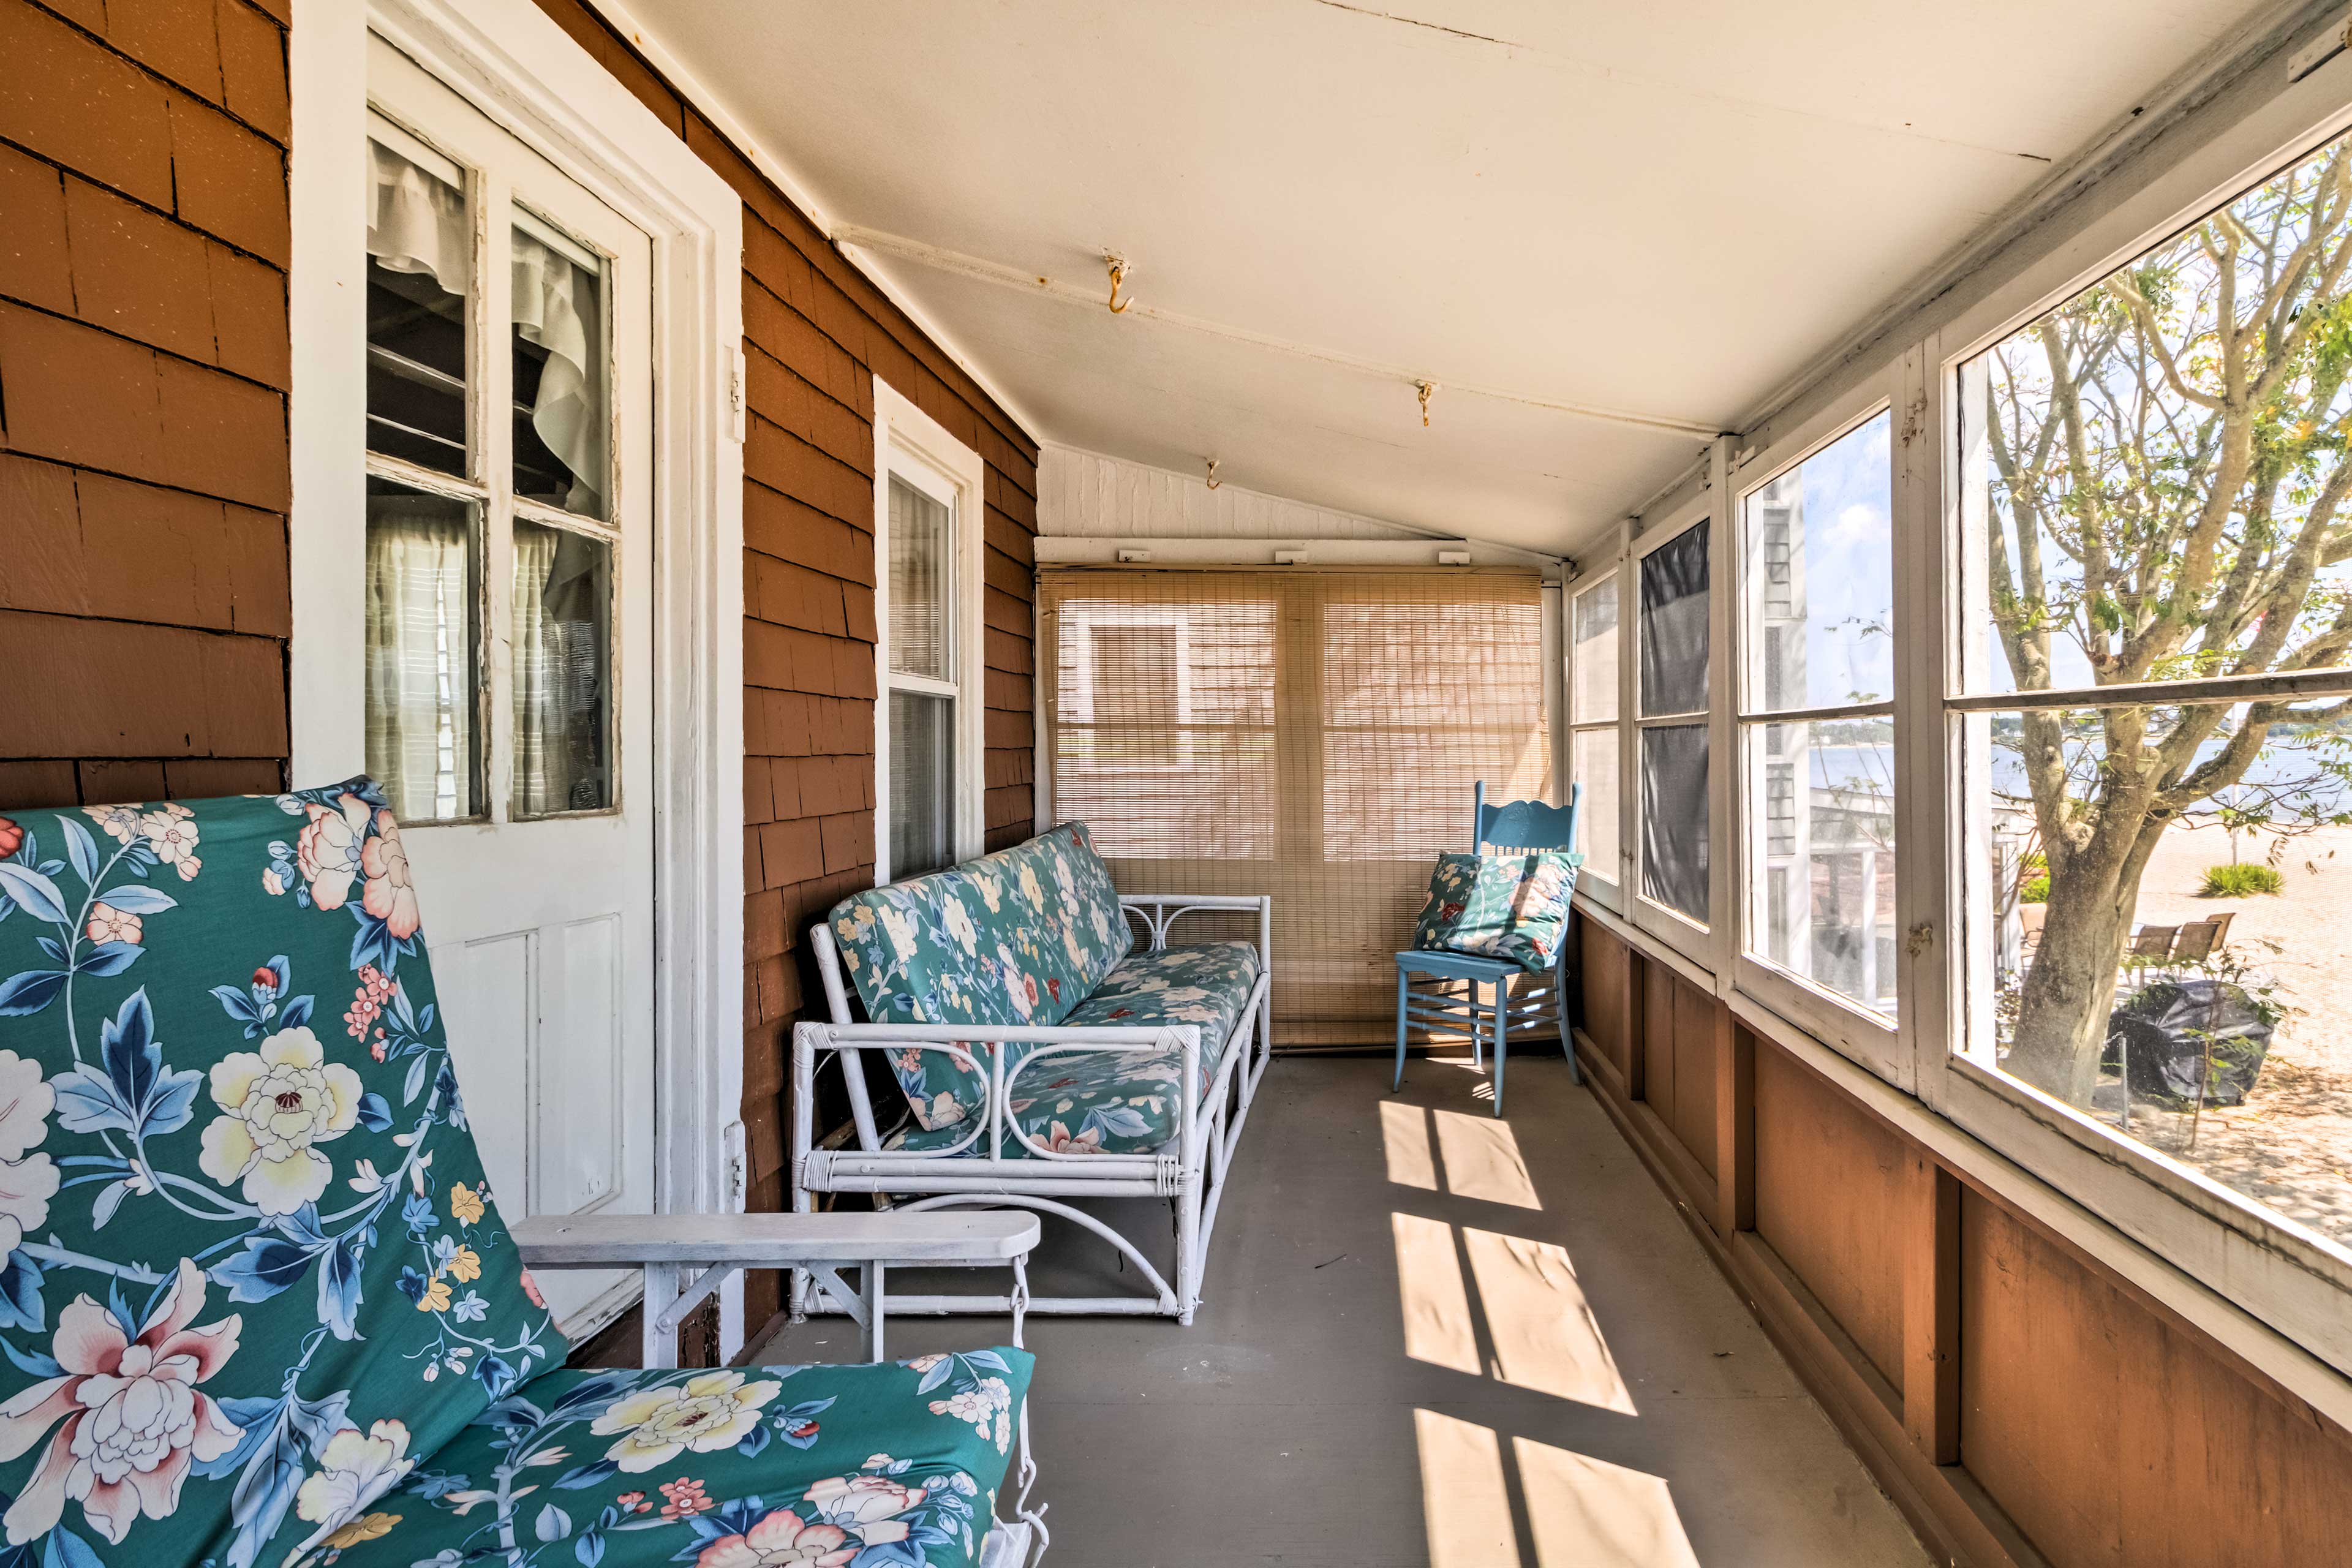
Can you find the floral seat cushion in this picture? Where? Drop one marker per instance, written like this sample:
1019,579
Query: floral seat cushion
1125,1103
1511,905
249,1269
1021,936
818,1467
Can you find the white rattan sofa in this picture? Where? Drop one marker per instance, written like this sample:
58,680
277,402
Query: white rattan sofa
1052,1046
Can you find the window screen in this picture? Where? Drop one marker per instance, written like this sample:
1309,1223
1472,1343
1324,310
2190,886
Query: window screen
1311,736
1674,626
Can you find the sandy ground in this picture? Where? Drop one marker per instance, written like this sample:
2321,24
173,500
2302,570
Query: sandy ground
2290,1145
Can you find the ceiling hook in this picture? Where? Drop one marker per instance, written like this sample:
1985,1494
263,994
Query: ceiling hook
1425,388
1117,265
1213,481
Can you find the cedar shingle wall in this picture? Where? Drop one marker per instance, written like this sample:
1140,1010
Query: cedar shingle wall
817,333
143,363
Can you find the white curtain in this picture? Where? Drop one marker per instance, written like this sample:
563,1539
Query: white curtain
416,222
419,642
559,659
556,307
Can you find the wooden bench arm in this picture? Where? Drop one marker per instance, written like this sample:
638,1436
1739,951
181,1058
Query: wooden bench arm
718,1245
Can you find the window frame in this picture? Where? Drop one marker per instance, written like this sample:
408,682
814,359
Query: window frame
1867,1036
1700,943
2289,1279
1603,887
911,445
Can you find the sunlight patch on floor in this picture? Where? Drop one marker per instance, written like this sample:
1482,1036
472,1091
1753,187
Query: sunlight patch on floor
1432,1296
1545,1335
1404,1139
1482,1161
1589,1513
1463,1502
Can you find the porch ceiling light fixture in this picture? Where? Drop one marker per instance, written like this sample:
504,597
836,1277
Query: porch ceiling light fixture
1119,271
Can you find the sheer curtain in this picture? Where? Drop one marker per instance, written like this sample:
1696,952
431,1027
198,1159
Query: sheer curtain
561,593
419,638
556,307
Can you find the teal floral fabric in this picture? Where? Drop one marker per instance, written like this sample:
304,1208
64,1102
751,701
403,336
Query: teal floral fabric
1124,1102
1021,936
258,1306
252,1269
1511,905
895,1466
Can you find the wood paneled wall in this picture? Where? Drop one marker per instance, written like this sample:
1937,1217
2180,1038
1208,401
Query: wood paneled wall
144,232
817,333
2023,1405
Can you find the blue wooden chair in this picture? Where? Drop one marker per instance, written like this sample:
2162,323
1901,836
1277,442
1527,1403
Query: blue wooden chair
1519,824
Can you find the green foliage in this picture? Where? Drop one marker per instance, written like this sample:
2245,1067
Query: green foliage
2240,881
2034,890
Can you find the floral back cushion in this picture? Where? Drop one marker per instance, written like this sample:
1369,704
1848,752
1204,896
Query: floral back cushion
1512,905
1021,936
252,1271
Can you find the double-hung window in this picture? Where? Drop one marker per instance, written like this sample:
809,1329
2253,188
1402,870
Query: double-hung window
1816,719
929,729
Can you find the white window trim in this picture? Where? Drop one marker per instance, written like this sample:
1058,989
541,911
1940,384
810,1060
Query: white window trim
910,442
516,65
1604,885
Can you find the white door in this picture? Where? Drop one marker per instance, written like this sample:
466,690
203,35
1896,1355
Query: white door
510,638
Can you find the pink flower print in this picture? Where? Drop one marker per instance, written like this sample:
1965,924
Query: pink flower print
133,1420
108,923
1058,1140
781,1540
171,835
328,850
11,838
376,989
389,896
686,1497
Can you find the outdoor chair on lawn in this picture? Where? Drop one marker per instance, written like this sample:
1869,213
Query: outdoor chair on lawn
260,1309
1491,918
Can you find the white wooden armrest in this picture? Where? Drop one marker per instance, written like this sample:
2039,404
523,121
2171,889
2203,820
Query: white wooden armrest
720,1244
775,1240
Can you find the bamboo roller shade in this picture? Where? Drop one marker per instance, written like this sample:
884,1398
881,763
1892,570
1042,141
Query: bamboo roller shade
1313,736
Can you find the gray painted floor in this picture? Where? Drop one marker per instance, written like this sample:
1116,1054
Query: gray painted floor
1429,1338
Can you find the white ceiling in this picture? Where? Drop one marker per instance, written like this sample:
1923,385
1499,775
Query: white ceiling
1667,208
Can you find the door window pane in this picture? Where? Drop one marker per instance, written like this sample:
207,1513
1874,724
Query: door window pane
921,595
421,638
1674,626
1593,658
420,262
563,429
1822,881
562,671
922,783
1592,762
1674,818
1819,565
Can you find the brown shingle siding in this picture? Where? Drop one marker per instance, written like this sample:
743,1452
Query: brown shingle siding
143,353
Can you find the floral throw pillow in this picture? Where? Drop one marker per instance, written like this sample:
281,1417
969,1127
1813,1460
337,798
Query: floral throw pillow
1509,906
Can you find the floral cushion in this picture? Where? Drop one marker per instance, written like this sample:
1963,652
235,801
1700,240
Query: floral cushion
821,1467
252,1271
1021,936
1510,905
1125,1103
